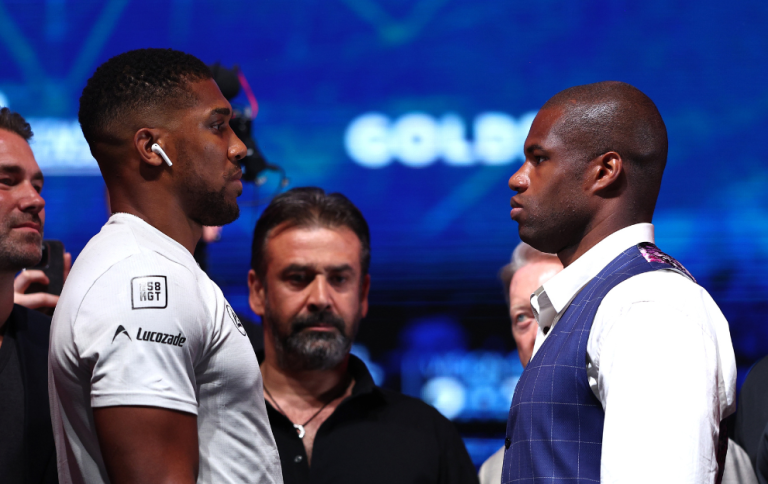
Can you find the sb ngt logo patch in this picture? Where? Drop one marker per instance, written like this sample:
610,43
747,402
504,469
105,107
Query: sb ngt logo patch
149,292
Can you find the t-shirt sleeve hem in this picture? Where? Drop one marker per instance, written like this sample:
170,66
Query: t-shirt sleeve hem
145,400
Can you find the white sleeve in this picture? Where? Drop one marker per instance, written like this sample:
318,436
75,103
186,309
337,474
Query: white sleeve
140,329
660,383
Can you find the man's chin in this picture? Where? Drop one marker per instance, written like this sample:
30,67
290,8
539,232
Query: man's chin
20,259
218,216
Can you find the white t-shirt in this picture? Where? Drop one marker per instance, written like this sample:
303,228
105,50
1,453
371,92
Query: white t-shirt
139,323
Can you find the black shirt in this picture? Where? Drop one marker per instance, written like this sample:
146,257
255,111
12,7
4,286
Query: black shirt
752,418
752,414
375,436
11,411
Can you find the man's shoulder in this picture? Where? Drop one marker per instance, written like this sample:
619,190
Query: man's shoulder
128,264
758,375
413,411
31,327
121,245
661,286
138,280
397,407
26,319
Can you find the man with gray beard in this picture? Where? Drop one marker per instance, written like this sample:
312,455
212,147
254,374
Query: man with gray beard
309,283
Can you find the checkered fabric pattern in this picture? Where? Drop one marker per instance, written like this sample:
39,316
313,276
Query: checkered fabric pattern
555,425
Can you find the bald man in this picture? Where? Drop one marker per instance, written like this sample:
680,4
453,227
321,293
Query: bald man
633,369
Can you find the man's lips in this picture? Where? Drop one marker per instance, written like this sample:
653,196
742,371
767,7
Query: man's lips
30,226
516,208
320,327
236,175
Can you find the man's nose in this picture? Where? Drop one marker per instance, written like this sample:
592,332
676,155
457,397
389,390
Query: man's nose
237,149
319,297
519,181
29,199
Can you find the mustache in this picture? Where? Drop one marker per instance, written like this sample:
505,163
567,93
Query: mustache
16,220
316,319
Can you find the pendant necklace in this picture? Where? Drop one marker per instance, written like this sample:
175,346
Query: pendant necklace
300,427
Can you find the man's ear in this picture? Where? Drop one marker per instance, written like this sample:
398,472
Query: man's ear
606,172
256,293
143,140
366,286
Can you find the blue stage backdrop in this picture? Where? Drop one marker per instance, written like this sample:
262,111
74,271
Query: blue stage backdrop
417,111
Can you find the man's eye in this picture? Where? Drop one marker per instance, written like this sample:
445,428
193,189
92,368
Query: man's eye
522,317
339,279
297,278
6,181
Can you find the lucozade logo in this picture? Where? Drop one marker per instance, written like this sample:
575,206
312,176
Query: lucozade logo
373,140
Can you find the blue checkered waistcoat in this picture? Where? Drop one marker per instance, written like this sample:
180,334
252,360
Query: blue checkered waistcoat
555,425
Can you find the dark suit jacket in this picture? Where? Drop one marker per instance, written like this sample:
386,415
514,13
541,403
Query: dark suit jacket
32,330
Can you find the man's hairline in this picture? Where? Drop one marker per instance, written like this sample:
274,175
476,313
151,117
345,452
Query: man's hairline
7,130
313,223
163,118
39,173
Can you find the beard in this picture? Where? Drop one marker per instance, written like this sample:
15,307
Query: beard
301,350
553,226
19,251
211,207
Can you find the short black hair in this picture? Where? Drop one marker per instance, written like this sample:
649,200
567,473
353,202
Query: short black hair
614,116
15,123
137,82
308,207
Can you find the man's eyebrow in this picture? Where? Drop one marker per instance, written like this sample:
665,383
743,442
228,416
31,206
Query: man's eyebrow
11,169
339,268
533,147
305,267
296,268
222,111
15,170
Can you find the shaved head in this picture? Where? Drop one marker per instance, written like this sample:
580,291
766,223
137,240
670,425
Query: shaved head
615,116
594,158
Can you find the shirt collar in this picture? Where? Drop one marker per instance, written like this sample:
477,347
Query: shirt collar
555,295
363,380
170,245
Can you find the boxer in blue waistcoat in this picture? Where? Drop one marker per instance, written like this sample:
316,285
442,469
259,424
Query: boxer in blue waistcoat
633,369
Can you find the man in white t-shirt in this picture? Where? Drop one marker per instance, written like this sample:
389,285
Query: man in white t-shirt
152,377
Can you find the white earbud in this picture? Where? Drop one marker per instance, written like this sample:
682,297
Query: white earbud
159,151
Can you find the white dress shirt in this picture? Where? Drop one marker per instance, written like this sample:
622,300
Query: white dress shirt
659,359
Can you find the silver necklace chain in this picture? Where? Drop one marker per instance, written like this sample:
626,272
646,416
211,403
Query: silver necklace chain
300,427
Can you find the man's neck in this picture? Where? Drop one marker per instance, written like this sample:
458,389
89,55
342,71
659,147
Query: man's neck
170,220
598,230
6,300
304,388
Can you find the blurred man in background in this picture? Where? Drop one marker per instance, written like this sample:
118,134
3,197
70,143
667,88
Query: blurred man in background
527,271
309,282
27,453
152,376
